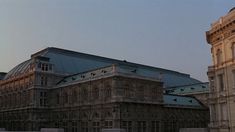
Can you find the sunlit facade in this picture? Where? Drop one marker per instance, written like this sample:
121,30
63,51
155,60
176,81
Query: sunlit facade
221,74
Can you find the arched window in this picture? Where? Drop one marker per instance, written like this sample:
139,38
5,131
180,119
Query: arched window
66,98
58,98
74,96
107,91
95,93
84,94
219,56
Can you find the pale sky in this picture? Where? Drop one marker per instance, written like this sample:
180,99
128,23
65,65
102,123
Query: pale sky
163,33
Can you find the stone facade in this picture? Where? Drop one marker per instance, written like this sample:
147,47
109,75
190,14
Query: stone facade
221,74
114,96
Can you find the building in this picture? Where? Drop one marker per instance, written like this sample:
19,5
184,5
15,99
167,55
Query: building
199,90
86,93
221,74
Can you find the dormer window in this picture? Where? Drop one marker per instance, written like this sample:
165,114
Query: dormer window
45,66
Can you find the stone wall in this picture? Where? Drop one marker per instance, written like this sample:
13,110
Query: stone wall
193,130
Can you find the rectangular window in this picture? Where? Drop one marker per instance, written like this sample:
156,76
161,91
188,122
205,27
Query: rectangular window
74,127
233,78
219,56
95,93
233,50
58,98
44,67
43,81
41,102
65,126
212,86
155,126
108,124
223,112
43,99
141,126
154,92
84,126
221,82
127,125
213,113
95,126
57,125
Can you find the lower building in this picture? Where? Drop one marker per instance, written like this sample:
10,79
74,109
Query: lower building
94,100
200,91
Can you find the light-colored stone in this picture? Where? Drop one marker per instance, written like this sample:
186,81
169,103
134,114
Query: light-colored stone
221,74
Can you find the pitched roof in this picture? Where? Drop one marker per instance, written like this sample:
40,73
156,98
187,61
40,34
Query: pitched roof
112,70
70,62
181,101
189,89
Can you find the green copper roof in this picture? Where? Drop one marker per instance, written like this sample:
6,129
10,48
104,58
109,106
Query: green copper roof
181,101
69,62
189,89
113,70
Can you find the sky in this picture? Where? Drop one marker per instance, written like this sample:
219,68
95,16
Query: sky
168,34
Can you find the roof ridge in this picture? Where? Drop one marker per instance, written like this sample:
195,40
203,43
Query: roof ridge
187,85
